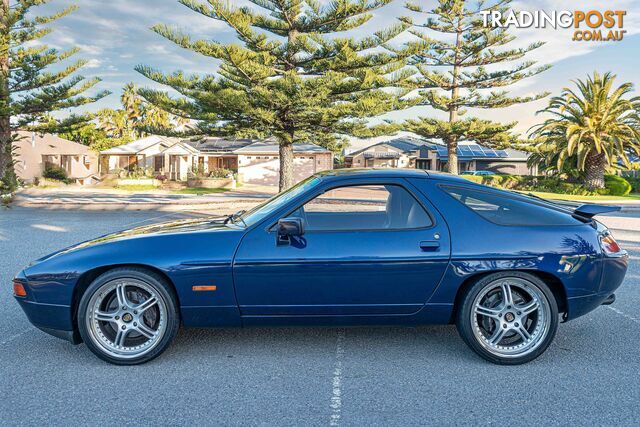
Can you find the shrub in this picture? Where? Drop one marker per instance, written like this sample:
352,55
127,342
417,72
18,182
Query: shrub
635,183
140,172
55,172
531,183
219,173
617,185
197,171
474,178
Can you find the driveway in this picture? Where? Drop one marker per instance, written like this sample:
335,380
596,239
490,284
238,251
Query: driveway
304,376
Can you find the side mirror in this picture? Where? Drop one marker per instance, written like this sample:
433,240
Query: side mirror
288,227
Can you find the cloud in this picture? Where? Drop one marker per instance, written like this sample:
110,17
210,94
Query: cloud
93,63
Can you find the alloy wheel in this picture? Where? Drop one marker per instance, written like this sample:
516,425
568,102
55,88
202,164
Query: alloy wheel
126,318
510,317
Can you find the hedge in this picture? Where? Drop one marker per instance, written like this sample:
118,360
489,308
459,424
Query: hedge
614,185
617,185
635,183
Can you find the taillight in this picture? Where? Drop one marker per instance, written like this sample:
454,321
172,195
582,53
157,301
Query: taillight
609,244
18,289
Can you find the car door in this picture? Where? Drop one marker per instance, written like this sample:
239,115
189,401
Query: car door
369,248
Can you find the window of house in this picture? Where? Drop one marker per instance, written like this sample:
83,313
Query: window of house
504,210
364,207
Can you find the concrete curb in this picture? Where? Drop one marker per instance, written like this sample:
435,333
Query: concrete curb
169,206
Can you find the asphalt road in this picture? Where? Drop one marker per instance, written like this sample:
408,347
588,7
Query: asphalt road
303,376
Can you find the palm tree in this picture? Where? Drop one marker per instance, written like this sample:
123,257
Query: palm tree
595,126
113,123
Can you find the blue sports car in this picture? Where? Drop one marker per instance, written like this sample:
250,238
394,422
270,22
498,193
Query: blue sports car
344,247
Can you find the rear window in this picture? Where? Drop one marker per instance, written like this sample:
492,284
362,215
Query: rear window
504,210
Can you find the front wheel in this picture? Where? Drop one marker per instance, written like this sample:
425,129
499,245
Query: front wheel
508,318
128,316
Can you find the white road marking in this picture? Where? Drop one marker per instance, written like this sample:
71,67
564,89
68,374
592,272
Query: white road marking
13,337
336,395
623,314
48,227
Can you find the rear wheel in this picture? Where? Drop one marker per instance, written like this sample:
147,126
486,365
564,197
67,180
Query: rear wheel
508,318
128,316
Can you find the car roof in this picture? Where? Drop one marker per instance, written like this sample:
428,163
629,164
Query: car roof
390,173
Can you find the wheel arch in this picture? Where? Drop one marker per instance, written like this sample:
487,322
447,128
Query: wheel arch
555,285
89,276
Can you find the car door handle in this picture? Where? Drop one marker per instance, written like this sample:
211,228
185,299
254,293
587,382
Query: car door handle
429,245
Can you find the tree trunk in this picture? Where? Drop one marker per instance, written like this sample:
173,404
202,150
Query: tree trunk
7,174
286,143
452,140
286,165
594,167
452,155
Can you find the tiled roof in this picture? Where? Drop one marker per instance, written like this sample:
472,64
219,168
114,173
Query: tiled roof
219,145
139,145
270,147
406,145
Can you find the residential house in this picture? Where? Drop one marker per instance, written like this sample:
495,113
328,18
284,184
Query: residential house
474,157
164,155
412,152
218,152
34,152
257,162
395,153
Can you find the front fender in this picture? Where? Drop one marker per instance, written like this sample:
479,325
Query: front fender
187,259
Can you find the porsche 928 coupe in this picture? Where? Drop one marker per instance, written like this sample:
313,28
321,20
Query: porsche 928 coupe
344,247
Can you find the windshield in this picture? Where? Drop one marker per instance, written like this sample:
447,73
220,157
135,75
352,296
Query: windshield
265,209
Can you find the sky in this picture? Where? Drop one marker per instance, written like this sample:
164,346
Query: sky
114,37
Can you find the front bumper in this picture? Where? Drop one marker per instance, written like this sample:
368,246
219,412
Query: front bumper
53,319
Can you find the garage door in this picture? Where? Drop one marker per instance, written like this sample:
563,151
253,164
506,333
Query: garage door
260,170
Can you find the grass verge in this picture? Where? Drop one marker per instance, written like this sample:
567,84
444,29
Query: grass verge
198,190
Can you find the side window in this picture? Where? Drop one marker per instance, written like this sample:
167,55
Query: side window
504,210
364,207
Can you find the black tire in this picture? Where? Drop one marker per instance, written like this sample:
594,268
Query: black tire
465,326
165,295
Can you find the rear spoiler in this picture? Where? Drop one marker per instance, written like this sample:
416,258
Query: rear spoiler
589,211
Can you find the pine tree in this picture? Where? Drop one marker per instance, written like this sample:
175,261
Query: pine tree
453,76
293,75
28,90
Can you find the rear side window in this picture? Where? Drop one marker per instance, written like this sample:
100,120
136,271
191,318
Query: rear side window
505,210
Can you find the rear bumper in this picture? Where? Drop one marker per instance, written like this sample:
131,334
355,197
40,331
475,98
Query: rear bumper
580,306
613,272
53,319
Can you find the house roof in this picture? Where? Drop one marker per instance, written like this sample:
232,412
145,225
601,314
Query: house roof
471,151
181,148
49,144
358,144
269,146
218,145
405,144
139,145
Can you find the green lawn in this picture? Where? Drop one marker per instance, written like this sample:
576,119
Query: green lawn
557,196
136,187
199,190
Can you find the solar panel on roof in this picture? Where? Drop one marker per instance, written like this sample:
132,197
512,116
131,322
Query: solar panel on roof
464,149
